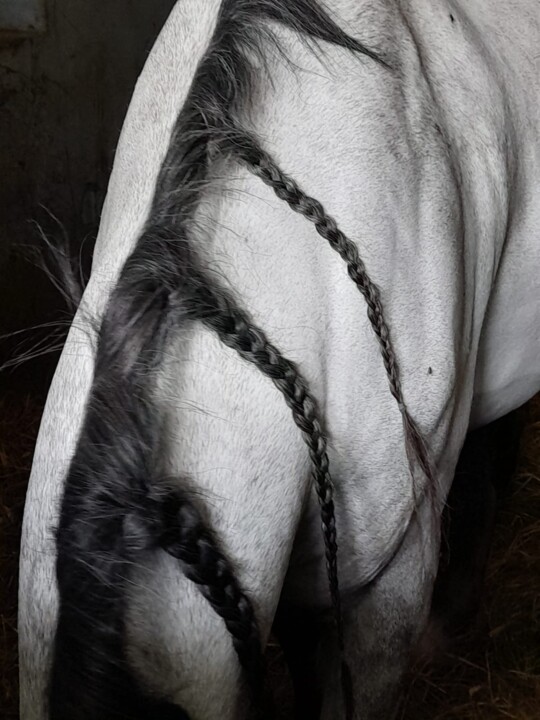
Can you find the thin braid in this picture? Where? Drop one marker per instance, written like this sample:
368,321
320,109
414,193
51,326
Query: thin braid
212,306
235,331
220,313
186,537
193,295
263,166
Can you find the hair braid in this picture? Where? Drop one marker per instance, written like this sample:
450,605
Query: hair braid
219,312
263,166
186,537
192,294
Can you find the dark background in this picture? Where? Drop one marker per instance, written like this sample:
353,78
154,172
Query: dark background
67,72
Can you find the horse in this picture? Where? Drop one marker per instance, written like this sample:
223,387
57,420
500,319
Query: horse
317,268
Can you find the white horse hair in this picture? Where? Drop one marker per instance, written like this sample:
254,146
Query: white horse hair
170,507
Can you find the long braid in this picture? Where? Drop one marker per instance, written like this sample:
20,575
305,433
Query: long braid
235,330
186,537
216,309
193,295
261,164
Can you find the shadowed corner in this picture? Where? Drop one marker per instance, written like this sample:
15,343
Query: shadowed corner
493,670
20,416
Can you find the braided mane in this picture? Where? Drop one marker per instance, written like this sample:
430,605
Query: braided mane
113,508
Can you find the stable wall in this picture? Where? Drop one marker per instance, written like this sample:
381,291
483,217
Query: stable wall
67,71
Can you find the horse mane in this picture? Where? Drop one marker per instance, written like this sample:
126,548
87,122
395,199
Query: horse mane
113,509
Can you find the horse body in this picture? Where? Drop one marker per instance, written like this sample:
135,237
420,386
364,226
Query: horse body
430,166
